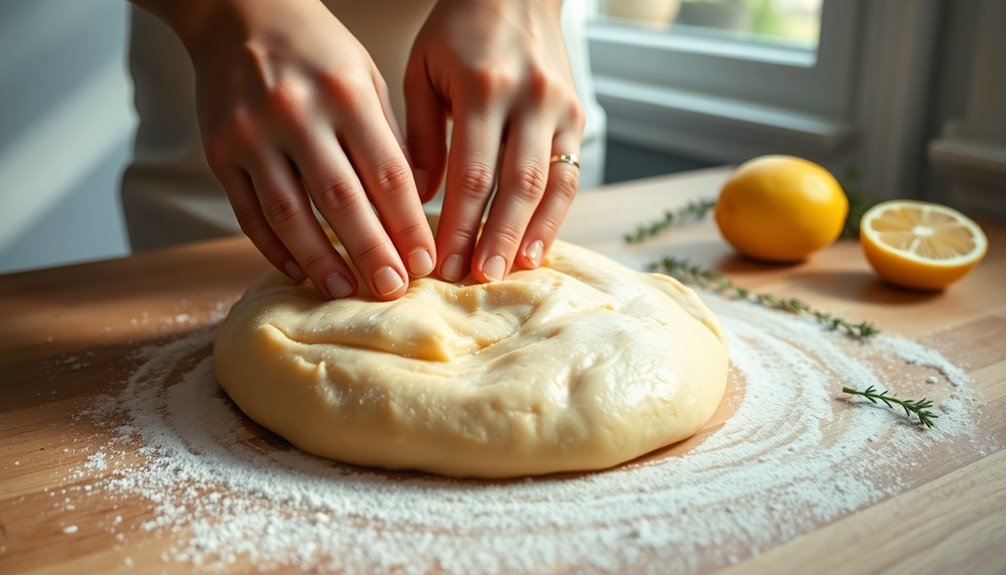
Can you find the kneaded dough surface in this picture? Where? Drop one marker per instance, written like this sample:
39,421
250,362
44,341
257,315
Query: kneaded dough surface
580,364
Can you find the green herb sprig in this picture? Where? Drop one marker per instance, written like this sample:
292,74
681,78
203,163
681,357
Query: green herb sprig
693,211
858,202
707,279
921,408
697,210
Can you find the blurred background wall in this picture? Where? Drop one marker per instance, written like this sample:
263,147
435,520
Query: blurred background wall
66,125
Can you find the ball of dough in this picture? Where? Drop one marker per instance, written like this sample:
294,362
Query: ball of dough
580,364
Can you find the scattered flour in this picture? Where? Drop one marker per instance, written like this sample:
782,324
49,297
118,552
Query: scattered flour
777,468
917,354
96,461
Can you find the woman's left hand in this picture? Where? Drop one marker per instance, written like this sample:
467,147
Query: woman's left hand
499,70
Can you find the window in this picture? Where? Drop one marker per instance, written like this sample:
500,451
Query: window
726,79
791,23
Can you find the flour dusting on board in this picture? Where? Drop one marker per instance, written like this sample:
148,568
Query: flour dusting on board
773,471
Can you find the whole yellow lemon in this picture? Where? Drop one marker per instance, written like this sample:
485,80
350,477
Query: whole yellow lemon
781,208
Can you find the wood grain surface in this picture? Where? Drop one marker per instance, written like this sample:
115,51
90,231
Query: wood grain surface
68,333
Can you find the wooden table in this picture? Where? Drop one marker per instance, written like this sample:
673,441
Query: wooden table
65,331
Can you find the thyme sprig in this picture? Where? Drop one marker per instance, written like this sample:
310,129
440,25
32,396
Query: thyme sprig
921,407
696,210
708,279
859,203
693,211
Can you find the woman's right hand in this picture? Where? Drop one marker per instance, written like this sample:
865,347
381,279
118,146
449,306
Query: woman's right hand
294,113
499,70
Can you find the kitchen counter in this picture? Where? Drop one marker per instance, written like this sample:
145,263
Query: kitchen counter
68,333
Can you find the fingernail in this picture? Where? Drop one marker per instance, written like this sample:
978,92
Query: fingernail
453,268
338,286
387,280
293,270
534,251
494,268
420,263
421,183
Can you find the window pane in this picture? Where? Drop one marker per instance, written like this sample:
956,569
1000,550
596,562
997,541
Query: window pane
795,23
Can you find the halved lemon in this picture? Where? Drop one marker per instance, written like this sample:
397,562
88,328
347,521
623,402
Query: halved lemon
920,245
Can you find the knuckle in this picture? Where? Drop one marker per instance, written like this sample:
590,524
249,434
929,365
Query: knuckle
416,229
230,138
280,210
549,224
393,177
541,86
461,236
370,249
241,125
494,80
477,181
218,156
347,90
508,235
287,99
314,258
248,220
577,117
529,183
566,184
336,195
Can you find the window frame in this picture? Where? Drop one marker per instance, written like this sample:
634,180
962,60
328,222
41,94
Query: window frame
723,99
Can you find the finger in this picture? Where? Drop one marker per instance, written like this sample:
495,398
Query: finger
285,207
389,112
522,177
425,121
387,178
560,189
241,194
475,143
336,191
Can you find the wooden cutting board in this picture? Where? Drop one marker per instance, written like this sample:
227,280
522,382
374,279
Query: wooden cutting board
66,332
